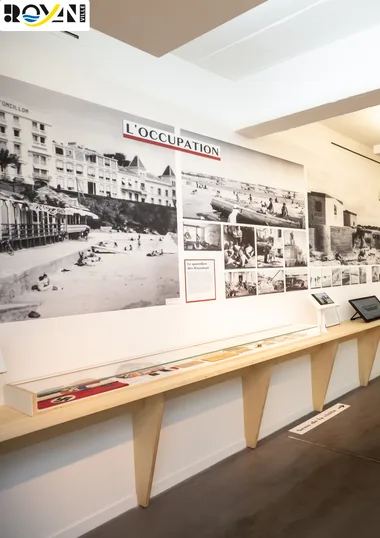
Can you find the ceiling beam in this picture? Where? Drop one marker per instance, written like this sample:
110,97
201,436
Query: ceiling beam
161,26
313,115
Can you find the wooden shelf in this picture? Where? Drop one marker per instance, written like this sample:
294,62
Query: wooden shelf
254,369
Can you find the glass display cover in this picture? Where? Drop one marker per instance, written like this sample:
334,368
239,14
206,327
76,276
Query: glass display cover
54,391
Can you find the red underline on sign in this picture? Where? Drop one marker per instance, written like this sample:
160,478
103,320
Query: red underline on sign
154,143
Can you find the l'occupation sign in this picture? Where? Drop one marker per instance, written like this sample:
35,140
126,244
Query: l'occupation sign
157,137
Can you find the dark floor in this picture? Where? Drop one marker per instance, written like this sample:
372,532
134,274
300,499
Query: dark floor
324,483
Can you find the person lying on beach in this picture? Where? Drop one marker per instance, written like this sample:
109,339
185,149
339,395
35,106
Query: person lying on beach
44,283
87,257
155,253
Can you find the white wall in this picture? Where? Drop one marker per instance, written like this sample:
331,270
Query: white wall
74,481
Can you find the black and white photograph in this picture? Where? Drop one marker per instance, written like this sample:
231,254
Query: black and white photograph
240,284
295,248
375,273
202,236
315,277
326,277
88,218
346,276
363,275
270,247
354,275
244,186
239,247
336,273
270,281
296,280
340,231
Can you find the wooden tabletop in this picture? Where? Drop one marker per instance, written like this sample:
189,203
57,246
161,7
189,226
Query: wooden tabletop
15,424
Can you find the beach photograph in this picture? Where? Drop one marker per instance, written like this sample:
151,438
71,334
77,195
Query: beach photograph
244,187
88,219
342,232
315,277
326,277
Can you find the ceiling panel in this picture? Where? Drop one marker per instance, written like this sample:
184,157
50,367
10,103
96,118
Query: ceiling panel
306,26
265,15
160,26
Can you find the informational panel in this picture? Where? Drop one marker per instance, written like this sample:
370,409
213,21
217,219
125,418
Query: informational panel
89,219
200,280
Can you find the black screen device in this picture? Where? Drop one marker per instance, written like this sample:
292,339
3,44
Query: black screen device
322,298
368,308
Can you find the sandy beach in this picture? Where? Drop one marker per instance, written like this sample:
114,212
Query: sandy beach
197,201
123,280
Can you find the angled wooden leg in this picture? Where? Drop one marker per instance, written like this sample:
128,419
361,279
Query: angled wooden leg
367,348
255,382
322,362
147,420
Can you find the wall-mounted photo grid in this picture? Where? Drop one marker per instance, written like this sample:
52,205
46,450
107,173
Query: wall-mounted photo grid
252,209
344,236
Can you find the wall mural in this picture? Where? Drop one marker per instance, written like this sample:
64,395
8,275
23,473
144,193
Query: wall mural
88,213
260,204
88,218
344,237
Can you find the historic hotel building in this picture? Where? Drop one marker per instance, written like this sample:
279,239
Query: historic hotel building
28,137
74,167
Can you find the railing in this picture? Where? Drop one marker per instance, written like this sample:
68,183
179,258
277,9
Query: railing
38,130
132,189
41,177
8,177
16,232
76,228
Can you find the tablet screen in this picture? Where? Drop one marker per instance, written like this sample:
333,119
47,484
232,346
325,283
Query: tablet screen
367,307
322,298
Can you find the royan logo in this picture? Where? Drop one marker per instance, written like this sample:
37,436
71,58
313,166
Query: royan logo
34,16
46,16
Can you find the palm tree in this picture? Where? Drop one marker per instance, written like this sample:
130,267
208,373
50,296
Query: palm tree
6,159
120,157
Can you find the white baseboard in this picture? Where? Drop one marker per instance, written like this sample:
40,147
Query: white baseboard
95,520
197,467
283,422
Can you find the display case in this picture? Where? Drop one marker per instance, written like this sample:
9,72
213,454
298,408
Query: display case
45,394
